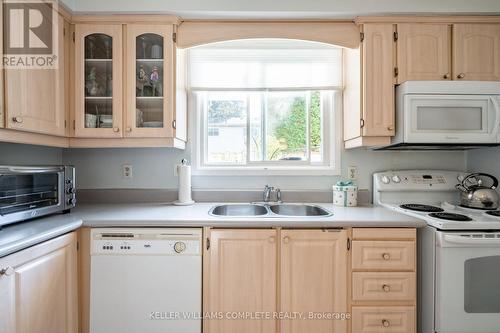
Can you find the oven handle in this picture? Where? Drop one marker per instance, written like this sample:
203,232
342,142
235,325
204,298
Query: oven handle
460,240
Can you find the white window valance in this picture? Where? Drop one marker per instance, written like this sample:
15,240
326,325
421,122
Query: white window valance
265,64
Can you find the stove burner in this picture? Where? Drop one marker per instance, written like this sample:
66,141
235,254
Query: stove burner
451,216
422,208
494,213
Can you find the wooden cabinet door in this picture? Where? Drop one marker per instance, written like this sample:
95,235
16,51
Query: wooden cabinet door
2,124
180,95
378,80
313,279
241,277
35,98
149,76
476,52
39,288
424,52
98,81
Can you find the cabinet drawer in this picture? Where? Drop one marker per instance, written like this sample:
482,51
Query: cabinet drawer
383,255
384,233
383,286
393,319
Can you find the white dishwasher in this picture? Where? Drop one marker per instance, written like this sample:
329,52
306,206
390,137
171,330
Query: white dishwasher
145,280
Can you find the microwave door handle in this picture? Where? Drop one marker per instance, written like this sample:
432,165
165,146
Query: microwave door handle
496,105
460,240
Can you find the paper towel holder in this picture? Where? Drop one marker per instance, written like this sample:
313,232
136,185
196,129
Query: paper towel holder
184,194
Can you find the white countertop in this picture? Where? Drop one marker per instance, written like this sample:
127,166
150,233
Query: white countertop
167,215
22,235
19,236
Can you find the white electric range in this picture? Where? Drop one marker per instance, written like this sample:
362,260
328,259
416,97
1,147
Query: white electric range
458,251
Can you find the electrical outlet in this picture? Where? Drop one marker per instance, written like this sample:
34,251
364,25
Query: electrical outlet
352,172
127,171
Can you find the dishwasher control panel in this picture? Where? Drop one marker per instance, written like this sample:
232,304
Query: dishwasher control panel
146,242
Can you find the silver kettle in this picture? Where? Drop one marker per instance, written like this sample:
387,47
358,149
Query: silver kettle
474,194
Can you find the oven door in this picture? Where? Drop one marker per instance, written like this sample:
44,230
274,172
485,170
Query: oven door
451,118
467,294
28,192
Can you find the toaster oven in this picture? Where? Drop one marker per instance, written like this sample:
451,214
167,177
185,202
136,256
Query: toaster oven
28,192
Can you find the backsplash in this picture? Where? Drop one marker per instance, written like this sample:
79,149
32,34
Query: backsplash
484,160
18,154
153,168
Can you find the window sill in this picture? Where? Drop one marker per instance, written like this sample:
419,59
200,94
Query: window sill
267,171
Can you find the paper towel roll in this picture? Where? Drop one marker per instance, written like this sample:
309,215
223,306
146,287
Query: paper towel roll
184,172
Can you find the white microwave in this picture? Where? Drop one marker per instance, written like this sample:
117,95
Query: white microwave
446,115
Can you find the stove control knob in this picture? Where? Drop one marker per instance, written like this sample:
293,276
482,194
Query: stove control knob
179,247
386,180
396,179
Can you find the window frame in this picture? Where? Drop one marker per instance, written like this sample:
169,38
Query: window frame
331,139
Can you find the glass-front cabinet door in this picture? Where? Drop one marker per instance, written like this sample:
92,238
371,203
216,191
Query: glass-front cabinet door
98,81
149,70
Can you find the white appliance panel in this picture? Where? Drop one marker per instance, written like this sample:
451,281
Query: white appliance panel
467,282
146,280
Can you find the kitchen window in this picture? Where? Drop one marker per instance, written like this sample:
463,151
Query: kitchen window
265,106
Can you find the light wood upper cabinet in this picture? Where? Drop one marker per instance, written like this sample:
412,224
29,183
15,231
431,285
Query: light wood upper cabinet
1,75
423,52
98,80
313,278
378,80
38,290
149,81
241,277
35,100
476,52
369,105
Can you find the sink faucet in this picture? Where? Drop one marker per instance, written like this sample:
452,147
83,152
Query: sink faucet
268,191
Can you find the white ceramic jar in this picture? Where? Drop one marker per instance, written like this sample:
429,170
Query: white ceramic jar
345,194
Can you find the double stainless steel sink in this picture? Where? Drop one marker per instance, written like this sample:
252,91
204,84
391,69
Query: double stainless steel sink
269,210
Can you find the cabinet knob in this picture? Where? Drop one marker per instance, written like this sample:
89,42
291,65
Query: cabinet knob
446,76
390,128
385,323
128,129
8,271
116,129
272,239
286,239
386,256
17,119
461,76
386,288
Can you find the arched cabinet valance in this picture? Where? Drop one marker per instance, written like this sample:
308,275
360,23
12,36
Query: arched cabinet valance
194,33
